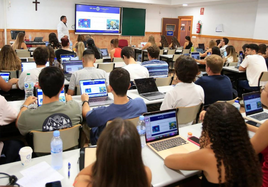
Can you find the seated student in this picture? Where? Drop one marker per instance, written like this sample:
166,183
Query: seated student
51,56
80,38
119,143
91,45
222,45
135,70
262,52
174,43
155,67
9,59
217,87
226,157
40,56
65,48
254,65
215,51
53,41
122,107
211,44
88,72
51,81
185,93
80,48
115,51
163,42
231,55
19,42
188,44
6,86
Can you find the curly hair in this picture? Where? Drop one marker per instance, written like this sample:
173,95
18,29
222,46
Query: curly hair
231,145
53,41
164,41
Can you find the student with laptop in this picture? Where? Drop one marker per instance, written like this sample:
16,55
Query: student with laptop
53,114
226,157
115,51
6,86
122,107
135,70
88,72
65,50
40,56
119,143
217,87
155,67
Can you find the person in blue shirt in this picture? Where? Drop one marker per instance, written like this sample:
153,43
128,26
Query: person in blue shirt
155,67
217,87
122,107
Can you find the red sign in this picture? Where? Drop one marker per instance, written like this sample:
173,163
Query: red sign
202,10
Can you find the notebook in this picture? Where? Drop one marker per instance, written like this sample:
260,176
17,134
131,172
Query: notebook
162,134
104,52
97,91
5,76
71,66
25,66
195,55
39,94
148,89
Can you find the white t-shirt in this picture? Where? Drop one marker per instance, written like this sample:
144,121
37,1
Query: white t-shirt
62,30
255,65
34,73
223,49
137,71
7,113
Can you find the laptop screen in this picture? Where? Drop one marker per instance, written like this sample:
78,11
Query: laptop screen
195,56
72,66
94,87
104,52
66,57
29,65
146,85
252,102
40,97
5,76
160,125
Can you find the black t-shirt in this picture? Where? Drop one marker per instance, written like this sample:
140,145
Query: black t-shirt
189,45
62,52
216,88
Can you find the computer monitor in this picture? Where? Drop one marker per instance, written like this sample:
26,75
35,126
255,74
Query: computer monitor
14,34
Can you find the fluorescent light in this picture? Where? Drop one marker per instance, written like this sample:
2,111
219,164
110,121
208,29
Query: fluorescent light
184,4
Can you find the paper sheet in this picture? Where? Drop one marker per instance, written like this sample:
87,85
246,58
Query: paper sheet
38,175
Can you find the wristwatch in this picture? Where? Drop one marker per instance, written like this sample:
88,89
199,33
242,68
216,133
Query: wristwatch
26,106
84,102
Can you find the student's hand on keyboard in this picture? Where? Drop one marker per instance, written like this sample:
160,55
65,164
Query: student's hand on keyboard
68,97
30,100
84,97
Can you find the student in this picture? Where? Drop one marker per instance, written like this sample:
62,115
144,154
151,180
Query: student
231,55
40,56
6,86
53,41
222,45
115,51
174,43
262,52
122,107
119,143
51,81
80,38
226,157
65,48
217,87
155,67
80,48
188,44
211,44
88,72
163,42
151,41
19,42
244,47
215,51
51,55
135,70
185,93
91,45
9,59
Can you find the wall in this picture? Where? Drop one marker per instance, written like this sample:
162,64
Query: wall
261,28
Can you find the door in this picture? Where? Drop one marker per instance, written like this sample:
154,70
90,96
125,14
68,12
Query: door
185,28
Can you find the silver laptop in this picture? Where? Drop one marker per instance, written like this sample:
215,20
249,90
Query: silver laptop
148,89
104,52
253,107
71,66
97,91
5,76
25,66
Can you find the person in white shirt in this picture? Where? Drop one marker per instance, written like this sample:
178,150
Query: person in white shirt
222,45
135,70
254,65
40,56
62,28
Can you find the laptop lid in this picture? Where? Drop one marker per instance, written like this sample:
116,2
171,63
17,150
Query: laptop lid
252,102
25,66
195,55
146,85
104,52
38,39
5,76
143,44
66,57
71,66
160,125
39,94
94,88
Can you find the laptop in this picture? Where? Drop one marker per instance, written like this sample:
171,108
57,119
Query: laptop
39,94
38,39
148,89
67,57
162,134
195,55
104,52
5,76
97,91
143,44
253,107
25,66
71,66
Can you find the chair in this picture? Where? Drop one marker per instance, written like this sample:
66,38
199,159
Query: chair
133,120
186,51
13,73
23,53
40,141
99,61
188,114
108,67
263,79
122,43
30,59
230,101
171,52
117,59
175,57
163,81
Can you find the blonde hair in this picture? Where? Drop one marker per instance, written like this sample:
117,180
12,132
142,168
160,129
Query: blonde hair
9,59
151,40
231,52
211,44
80,49
19,40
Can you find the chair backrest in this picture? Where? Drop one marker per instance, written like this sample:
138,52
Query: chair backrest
175,57
188,114
13,73
161,52
99,61
108,67
186,51
133,120
30,59
23,53
41,140
263,79
171,52
230,101
162,81
122,43
117,59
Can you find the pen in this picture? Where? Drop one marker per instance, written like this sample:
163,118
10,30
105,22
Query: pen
69,167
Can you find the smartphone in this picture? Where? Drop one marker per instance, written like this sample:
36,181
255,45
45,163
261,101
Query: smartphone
225,53
253,123
53,184
194,140
40,97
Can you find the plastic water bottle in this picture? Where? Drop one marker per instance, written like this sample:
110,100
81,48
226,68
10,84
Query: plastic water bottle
28,85
192,49
236,104
141,130
56,151
30,38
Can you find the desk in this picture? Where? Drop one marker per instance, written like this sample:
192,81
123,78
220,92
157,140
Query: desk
168,59
116,64
34,43
234,74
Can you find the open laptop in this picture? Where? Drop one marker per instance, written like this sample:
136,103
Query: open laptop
195,55
162,134
253,107
104,52
71,66
25,66
38,39
5,76
67,57
97,91
39,94
148,89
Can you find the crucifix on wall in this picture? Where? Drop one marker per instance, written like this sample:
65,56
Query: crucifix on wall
36,2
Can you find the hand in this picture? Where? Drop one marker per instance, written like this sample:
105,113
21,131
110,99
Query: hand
84,97
13,81
202,115
30,100
68,97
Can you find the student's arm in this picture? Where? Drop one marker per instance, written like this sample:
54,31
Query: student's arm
201,61
7,86
24,46
28,101
241,68
204,54
68,97
112,54
170,46
148,44
85,107
260,139
83,178
149,174
252,128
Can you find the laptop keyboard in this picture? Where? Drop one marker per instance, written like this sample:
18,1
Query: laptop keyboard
167,144
153,94
261,116
99,99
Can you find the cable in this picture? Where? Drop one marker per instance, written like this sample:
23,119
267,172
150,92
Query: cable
12,178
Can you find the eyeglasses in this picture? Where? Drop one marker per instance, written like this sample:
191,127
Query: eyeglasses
263,89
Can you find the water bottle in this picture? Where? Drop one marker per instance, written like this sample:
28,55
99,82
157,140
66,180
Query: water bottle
56,63
30,38
192,49
240,59
28,85
56,151
71,45
236,104
141,130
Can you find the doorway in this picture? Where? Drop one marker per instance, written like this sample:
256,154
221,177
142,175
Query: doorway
185,28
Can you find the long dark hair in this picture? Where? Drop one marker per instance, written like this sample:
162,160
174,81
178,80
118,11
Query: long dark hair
164,41
216,51
119,162
53,41
175,42
227,132
91,45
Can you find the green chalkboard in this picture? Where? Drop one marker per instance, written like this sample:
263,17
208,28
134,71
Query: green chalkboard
133,22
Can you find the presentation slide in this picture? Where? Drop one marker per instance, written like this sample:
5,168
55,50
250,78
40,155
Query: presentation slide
97,19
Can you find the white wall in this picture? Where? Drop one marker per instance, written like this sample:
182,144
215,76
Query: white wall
1,14
261,27
22,14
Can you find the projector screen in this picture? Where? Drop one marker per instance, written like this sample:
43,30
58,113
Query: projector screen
97,19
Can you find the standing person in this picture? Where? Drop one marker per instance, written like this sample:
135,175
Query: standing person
62,28
19,42
91,45
174,43
115,51
53,41
222,45
188,44
9,59
163,42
